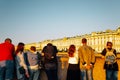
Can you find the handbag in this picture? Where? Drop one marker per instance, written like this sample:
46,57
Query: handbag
22,70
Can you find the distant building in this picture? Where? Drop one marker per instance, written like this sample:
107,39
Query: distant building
97,40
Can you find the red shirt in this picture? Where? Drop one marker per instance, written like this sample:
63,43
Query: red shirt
6,51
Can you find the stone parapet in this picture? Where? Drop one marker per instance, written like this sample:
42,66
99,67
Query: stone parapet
98,71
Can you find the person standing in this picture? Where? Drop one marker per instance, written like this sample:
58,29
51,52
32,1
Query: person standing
87,60
73,71
33,59
7,51
110,64
21,68
50,61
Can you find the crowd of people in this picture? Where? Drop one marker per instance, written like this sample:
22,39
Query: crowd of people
17,64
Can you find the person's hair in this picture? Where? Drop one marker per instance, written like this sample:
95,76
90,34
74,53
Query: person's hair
20,47
109,43
49,44
84,40
8,40
33,48
71,50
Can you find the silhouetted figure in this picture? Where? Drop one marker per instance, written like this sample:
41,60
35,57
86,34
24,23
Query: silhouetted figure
50,61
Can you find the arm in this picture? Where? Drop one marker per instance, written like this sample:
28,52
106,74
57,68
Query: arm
44,49
115,52
24,64
55,51
103,53
80,55
92,57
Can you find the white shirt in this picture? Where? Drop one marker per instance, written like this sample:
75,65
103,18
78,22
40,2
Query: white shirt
21,60
74,59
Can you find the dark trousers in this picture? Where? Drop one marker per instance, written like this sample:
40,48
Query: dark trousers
7,71
111,75
73,72
52,74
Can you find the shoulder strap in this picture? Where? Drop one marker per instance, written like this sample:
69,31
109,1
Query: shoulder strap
26,58
39,55
39,59
110,50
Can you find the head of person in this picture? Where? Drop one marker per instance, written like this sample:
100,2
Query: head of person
49,44
71,50
8,40
109,45
84,40
33,48
20,47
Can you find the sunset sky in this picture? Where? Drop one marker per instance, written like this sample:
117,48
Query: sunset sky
38,20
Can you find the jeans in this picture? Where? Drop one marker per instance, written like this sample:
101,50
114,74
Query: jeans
111,75
52,74
34,74
86,74
7,71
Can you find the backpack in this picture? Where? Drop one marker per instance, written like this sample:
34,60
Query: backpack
38,56
110,57
49,53
50,59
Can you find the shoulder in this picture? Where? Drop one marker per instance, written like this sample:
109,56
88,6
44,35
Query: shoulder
114,49
12,45
44,49
105,49
80,47
90,47
54,46
104,52
2,43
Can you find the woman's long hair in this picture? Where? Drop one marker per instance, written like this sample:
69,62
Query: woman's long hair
20,47
71,50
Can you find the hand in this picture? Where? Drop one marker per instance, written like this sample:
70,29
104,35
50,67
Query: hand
27,74
89,66
103,58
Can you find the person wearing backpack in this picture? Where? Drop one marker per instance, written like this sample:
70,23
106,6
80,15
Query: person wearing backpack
50,61
33,59
110,65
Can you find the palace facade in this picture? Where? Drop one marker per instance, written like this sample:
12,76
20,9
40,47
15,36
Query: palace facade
97,40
